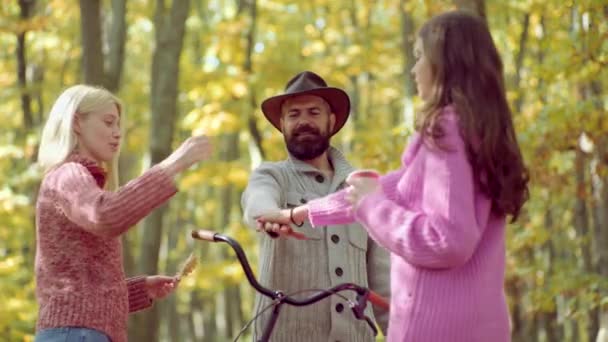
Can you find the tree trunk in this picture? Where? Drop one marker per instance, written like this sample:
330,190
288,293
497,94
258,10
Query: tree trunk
26,8
197,47
601,238
355,102
95,71
203,325
235,320
90,28
581,216
233,317
524,325
256,148
551,324
517,317
581,223
195,308
170,29
210,318
601,212
519,62
116,43
602,234
36,86
408,38
601,229
169,306
592,92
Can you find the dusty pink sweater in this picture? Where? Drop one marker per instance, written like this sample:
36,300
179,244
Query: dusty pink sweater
447,248
79,274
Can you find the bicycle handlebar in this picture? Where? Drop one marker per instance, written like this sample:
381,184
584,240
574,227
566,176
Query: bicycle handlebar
207,235
363,294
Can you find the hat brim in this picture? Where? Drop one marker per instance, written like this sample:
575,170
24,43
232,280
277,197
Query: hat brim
336,98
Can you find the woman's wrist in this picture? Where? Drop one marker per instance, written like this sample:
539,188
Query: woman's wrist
300,214
170,167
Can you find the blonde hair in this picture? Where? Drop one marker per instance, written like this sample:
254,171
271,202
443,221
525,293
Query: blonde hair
58,138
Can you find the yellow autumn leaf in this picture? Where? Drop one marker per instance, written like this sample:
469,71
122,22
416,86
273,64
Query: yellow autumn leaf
238,177
192,179
239,89
192,118
9,265
318,47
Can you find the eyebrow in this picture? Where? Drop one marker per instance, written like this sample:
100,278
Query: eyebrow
313,107
111,116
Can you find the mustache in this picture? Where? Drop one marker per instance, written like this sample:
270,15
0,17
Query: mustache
306,129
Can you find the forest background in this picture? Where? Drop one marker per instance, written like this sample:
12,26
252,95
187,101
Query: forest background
185,67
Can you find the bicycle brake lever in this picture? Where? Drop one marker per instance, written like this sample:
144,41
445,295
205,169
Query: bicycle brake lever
359,307
358,310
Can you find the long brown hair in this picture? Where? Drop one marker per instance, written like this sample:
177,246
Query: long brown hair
467,73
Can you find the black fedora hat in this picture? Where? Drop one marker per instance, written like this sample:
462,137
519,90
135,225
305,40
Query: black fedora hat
308,83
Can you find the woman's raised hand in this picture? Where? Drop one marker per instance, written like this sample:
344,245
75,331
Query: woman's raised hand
195,149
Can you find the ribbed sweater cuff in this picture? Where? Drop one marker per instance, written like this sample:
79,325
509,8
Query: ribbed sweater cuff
330,210
366,205
164,180
138,294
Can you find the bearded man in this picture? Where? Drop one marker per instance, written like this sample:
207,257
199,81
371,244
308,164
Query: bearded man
308,114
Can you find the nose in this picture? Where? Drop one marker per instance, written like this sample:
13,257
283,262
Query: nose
304,124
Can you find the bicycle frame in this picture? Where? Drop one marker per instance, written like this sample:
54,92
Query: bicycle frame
363,294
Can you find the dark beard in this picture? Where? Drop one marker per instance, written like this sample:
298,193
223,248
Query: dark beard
310,146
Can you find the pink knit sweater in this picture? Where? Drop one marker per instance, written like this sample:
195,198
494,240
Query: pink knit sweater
447,248
79,274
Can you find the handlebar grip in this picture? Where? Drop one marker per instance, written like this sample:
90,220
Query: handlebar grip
206,235
378,300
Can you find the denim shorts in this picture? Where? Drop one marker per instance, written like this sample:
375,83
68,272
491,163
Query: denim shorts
70,334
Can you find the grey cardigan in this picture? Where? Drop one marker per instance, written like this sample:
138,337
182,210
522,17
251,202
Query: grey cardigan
333,255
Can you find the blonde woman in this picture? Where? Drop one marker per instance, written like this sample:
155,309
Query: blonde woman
81,213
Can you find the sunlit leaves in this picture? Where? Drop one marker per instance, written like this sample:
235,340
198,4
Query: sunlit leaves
355,45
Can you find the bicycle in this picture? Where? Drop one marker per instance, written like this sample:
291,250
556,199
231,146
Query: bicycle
279,298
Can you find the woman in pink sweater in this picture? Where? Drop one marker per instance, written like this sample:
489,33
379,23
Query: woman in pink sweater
442,215
80,215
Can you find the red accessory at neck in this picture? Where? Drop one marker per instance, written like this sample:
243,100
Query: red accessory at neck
94,168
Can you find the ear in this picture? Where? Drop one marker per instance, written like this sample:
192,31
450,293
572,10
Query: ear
332,122
76,125
282,124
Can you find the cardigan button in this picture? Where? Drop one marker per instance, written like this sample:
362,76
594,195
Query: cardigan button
320,178
335,238
339,307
